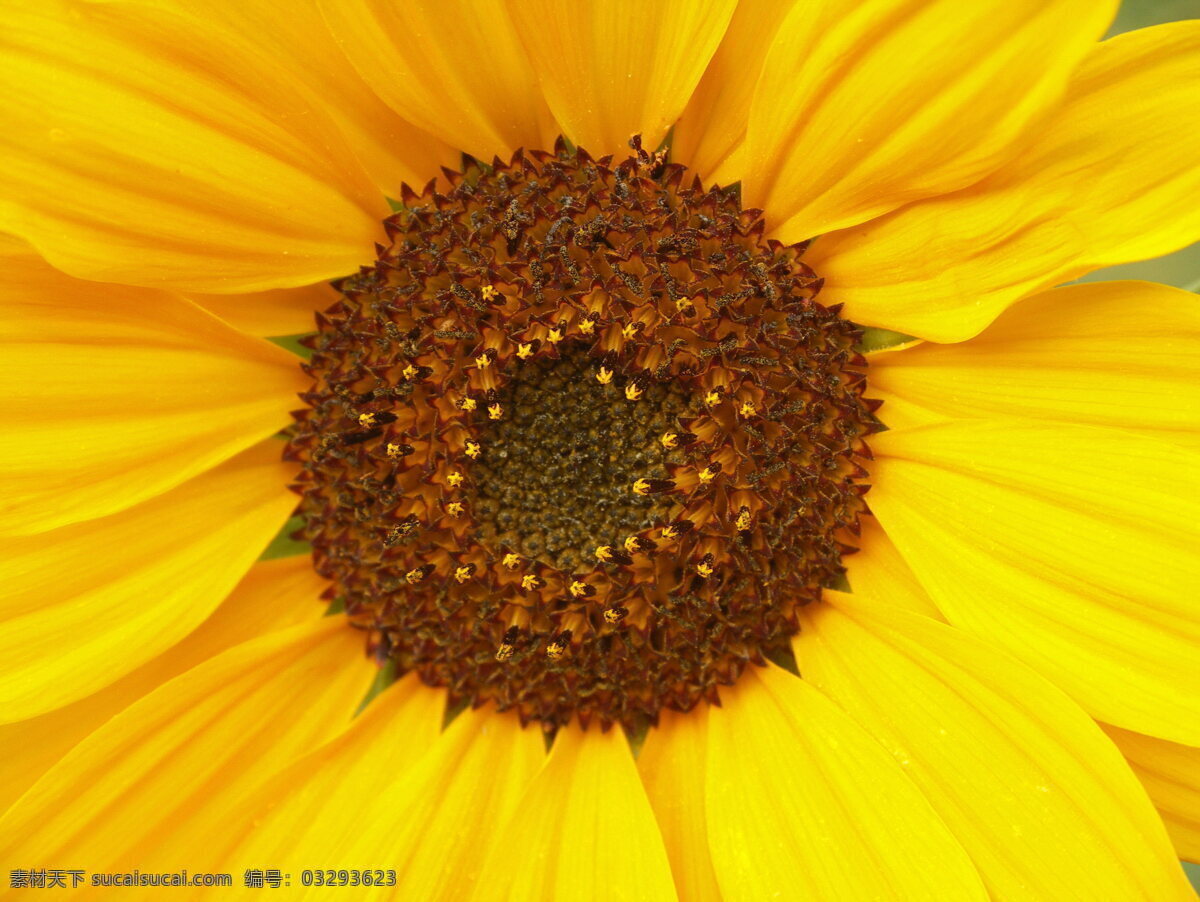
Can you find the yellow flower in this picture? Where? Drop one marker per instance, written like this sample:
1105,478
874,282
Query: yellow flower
1003,705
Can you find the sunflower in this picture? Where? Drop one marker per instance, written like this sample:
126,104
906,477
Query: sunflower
710,493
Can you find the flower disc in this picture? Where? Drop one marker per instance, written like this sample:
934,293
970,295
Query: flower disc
582,439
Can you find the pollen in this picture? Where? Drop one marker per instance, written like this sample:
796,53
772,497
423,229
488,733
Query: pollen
582,441
558,645
580,589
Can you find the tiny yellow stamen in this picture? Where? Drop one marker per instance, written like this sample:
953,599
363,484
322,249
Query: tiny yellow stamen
454,478
638,545
615,615
633,391
508,644
558,646
473,450
483,361
495,411
464,573
706,568
397,450
529,582
670,440
580,589
489,292
747,409
676,529
610,555
709,473
409,372
685,306
511,561
456,509
587,324
713,398
467,404
556,334
653,486
417,574
401,530
632,329
744,520
525,350
604,376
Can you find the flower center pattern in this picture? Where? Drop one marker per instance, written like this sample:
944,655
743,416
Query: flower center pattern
581,440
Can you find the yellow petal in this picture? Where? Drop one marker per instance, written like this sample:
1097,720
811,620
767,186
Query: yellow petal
671,763
623,67
877,572
153,147
284,311
1171,774
713,126
86,604
1109,179
1023,778
154,787
426,805
1071,547
294,35
1125,355
454,68
804,804
470,782
583,830
273,595
121,394
863,107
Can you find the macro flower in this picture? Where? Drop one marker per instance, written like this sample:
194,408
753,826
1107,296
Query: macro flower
714,489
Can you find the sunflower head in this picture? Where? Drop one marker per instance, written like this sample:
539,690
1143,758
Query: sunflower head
581,440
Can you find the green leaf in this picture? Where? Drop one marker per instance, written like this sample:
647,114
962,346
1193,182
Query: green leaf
283,545
384,678
292,343
875,339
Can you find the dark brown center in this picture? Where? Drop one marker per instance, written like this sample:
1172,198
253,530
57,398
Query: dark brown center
582,440
555,483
